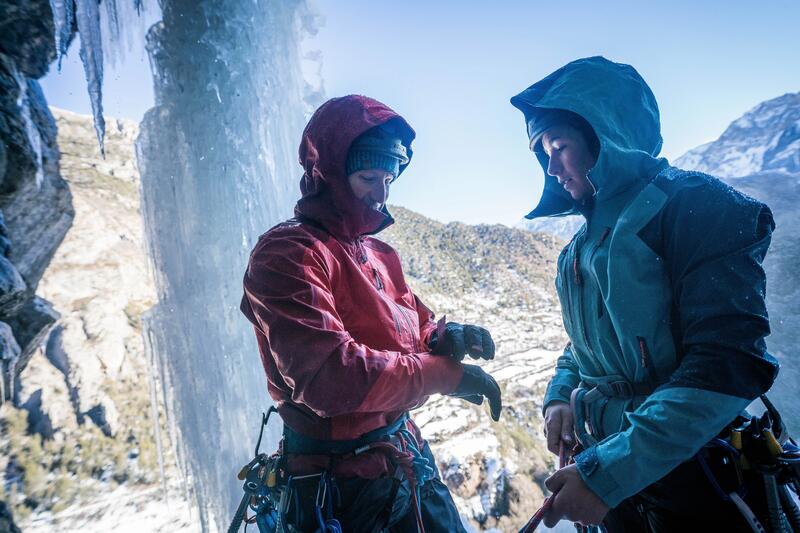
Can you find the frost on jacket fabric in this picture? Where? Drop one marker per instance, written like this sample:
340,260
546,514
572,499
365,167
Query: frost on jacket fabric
662,287
342,338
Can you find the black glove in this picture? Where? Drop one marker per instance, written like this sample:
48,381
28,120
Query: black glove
475,384
459,339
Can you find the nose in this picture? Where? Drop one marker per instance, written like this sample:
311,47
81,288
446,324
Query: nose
554,166
380,193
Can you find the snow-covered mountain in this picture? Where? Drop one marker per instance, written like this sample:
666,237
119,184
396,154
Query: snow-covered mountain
765,139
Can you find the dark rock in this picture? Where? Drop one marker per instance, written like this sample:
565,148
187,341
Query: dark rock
7,524
13,291
31,325
5,243
27,34
103,419
39,212
9,356
18,154
38,421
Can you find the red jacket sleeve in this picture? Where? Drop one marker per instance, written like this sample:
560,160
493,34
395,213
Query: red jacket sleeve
288,292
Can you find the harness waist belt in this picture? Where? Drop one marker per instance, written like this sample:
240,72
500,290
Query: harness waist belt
617,389
296,443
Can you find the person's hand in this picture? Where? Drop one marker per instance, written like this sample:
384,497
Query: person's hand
572,499
476,384
458,340
558,426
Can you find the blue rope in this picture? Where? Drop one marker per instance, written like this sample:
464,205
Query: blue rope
422,465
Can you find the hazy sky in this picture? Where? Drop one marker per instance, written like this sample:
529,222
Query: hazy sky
450,67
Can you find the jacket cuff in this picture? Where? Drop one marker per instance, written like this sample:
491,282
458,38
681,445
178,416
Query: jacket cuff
598,477
440,374
556,393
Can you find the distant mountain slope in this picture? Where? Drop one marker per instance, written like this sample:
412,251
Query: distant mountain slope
561,227
493,274
501,278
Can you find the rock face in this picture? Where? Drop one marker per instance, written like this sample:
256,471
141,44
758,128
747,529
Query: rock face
35,203
86,404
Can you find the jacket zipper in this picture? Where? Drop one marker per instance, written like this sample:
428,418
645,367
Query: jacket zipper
362,257
410,325
579,282
644,352
381,289
571,249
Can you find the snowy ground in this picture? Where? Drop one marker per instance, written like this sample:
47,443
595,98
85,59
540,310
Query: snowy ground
122,510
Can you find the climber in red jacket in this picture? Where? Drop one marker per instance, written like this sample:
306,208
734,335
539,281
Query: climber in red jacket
348,349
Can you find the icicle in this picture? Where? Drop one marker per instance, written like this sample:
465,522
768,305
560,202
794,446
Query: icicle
34,137
113,20
88,17
63,17
137,5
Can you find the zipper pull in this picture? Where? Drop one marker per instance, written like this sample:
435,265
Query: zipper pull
643,350
362,251
606,231
576,270
378,282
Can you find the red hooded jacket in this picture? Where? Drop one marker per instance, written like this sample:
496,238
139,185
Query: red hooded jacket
343,340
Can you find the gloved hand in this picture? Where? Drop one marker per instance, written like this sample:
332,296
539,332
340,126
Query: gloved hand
458,339
475,384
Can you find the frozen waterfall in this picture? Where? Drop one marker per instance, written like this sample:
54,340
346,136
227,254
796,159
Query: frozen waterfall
218,163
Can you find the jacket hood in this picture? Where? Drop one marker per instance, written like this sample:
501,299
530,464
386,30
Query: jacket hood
620,107
326,195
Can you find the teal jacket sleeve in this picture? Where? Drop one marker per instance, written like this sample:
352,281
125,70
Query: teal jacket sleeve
564,381
713,241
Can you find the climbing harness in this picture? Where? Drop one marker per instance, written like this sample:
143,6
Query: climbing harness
270,491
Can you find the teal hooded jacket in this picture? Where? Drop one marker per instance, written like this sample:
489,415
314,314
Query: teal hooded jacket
662,289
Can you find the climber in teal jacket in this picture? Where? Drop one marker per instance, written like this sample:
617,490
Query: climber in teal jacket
662,294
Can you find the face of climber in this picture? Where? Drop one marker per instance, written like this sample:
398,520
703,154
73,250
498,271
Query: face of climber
371,186
570,160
